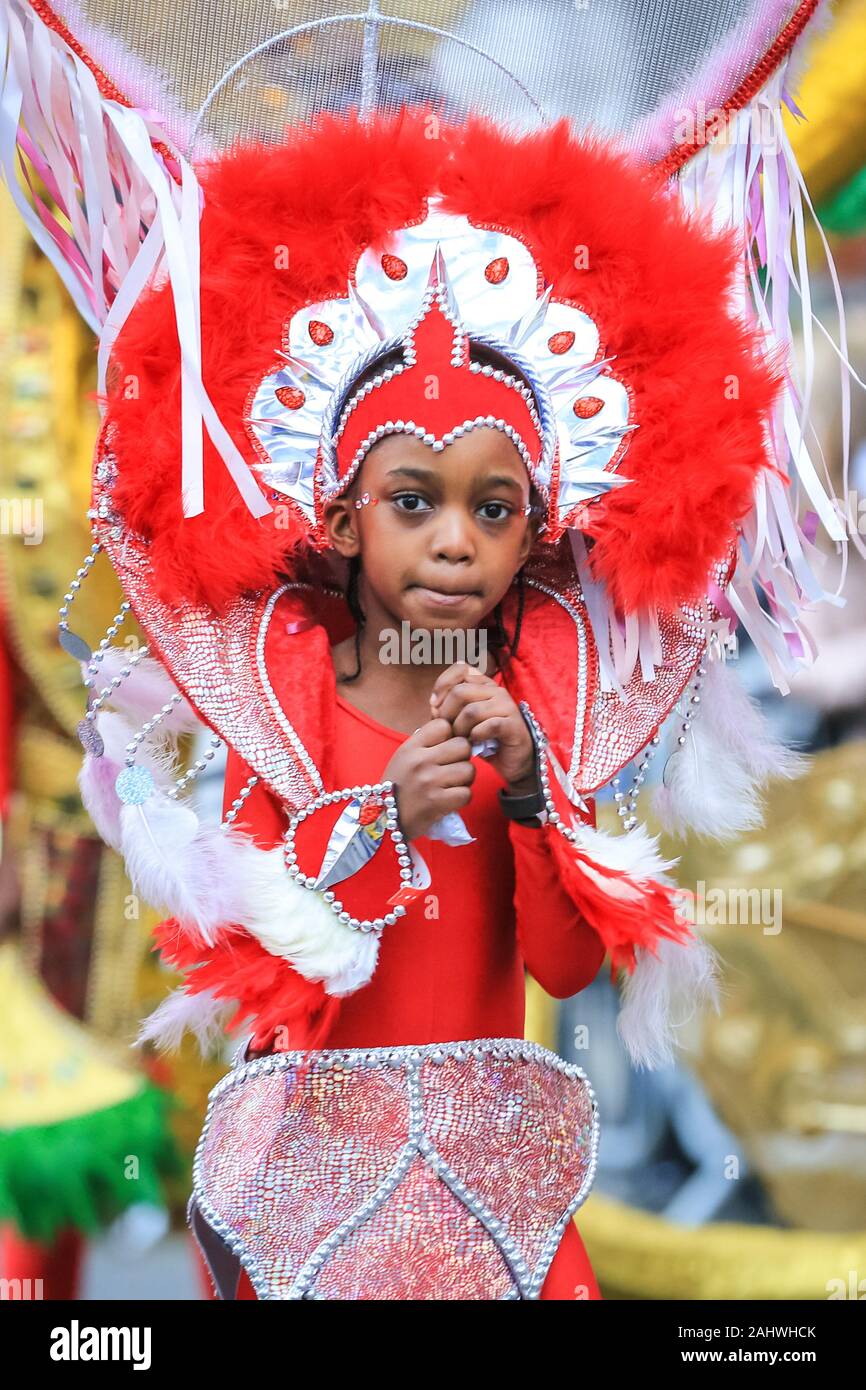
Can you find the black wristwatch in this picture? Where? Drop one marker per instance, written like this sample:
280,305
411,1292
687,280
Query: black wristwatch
527,808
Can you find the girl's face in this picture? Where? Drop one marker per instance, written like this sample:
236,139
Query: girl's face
448,532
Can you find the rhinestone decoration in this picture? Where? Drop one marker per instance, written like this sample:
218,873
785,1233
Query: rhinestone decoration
587,406
496,270
560,343
90,738
134,785
499,298
394,267
443,1171
292,397
375,797
321,333
74,645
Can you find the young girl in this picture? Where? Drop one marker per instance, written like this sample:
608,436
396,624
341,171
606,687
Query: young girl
440,539
483,381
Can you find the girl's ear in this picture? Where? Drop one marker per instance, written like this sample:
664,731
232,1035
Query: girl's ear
340,526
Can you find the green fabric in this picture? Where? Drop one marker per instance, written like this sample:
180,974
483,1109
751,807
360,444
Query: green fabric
845,212
82,1173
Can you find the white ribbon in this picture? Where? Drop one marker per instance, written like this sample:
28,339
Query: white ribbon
125,212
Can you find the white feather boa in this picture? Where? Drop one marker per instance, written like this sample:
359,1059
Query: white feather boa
97,776
713,784
667,986
202,1014
664,992
212,879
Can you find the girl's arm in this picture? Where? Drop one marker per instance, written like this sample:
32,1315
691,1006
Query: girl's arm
560,950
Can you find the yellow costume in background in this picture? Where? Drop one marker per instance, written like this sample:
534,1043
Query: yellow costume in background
784,1063
78,1107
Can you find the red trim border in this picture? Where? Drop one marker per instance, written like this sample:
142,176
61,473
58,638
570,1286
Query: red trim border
742,95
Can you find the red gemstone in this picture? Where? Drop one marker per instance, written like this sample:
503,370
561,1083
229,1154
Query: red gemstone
321,333
292,397
394,268
370,810
587,406
561,342
496,271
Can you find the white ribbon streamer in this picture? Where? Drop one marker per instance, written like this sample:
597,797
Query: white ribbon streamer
127,215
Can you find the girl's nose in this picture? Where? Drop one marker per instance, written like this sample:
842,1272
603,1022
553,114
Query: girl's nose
452,540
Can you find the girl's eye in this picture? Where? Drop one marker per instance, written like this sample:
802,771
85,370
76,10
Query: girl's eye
411,502
495,511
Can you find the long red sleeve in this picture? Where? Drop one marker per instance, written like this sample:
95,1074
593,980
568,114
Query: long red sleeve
559,949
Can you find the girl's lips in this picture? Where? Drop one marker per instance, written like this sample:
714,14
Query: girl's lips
439,599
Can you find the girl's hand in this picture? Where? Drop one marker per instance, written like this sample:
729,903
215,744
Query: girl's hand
433,774
477,708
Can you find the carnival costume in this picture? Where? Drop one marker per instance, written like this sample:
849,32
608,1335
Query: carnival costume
387,1132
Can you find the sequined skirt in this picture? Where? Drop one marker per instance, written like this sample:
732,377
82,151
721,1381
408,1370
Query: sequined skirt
447,1171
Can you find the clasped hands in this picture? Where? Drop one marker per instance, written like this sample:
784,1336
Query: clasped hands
433,769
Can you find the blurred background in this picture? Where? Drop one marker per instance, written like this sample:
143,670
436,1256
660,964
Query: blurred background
738,1173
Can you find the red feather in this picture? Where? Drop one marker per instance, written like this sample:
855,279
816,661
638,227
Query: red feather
269,992
632,913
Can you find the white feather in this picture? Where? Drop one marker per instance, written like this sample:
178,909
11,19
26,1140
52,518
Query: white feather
97,776
635,853
678,978
664,991
157,754
142,693
96,779
713,783
211,879
201,1014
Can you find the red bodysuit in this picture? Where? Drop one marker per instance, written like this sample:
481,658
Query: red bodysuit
453,967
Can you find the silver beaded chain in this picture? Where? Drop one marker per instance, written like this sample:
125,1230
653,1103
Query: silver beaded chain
107,690
70,641
197,768
626,802
693,704
98,656
385,790
138,738
231,814
87,729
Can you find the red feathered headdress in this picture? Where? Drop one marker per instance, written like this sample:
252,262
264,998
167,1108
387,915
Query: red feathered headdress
636,290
